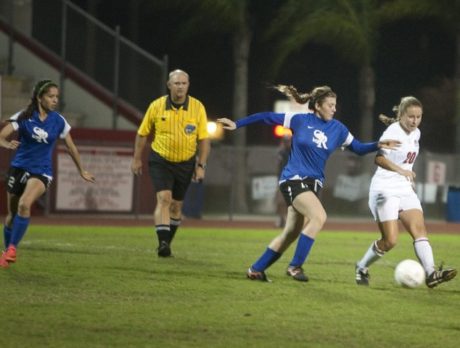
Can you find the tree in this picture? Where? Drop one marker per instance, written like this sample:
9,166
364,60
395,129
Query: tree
351,26
233,18
447,12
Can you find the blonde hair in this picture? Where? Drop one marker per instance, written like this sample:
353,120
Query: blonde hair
317,95
404,104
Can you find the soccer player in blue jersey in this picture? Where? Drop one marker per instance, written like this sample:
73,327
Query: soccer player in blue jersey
316,135
38,126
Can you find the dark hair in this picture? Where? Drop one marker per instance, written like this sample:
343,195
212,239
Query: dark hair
40,88
404,104
317,95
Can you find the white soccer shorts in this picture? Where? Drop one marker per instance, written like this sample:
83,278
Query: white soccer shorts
387,206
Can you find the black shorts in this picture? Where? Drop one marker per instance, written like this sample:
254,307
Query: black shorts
17,179
290,189
171,176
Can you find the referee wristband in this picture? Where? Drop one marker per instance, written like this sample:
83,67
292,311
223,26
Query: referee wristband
202,165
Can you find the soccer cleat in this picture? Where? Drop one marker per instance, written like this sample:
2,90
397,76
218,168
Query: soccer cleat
362,276
164,250
10,254
297,273
255,275
3,262
440,276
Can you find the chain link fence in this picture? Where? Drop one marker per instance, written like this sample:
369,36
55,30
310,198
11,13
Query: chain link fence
346,189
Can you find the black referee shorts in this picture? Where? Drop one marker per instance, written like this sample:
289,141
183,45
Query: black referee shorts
171,176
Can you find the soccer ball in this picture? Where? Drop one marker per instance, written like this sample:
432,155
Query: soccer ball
409,273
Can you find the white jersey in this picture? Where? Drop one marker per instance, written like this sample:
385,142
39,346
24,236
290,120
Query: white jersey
404,156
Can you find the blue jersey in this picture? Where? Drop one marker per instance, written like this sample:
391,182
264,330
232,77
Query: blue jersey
37,139
313,141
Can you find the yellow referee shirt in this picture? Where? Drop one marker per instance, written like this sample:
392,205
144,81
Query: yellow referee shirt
176,131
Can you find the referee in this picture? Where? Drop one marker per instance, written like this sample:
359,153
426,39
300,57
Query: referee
179,151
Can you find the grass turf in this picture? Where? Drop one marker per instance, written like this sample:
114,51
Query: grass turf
105,287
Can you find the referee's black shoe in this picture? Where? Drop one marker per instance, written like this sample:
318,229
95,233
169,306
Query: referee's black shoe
164,250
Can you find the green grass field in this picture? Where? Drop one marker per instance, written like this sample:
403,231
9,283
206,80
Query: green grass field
105,287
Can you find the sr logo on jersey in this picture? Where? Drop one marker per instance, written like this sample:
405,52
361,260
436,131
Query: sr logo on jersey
40,135
320,139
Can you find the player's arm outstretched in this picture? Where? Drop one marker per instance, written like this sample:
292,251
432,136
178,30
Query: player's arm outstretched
270,118
227,123
388,144
361,149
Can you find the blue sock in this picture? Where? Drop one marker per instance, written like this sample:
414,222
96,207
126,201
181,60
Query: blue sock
266,260
304,245
20,225
6,235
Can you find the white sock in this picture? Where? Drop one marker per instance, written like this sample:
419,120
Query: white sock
425,254
372,254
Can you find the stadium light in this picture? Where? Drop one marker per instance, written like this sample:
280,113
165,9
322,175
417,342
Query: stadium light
215,130
279,131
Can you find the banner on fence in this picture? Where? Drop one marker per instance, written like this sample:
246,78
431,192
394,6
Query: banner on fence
113,190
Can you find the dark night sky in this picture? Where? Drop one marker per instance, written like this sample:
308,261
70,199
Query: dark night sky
411,55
